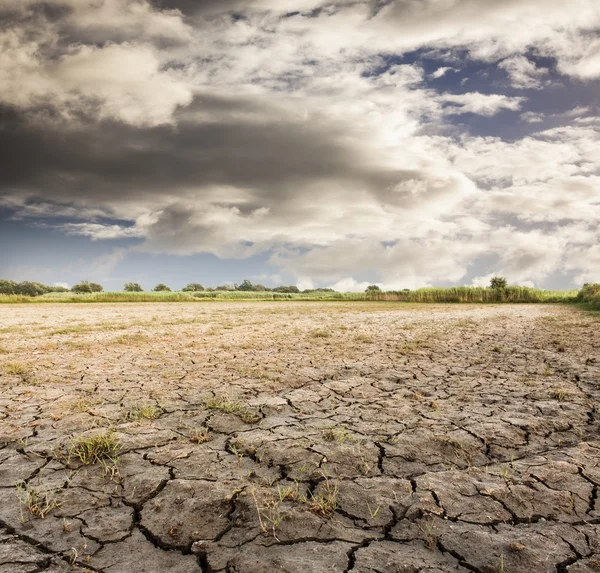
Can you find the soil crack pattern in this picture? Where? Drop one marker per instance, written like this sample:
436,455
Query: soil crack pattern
257,437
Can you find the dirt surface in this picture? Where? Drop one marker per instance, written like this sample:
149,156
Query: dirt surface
299,437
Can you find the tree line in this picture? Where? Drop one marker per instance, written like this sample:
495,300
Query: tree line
28,288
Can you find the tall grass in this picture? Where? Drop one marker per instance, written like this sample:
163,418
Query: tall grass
424,295
477,295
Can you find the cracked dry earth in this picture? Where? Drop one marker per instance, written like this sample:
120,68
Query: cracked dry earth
300,437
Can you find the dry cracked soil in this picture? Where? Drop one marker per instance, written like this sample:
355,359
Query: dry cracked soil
253,437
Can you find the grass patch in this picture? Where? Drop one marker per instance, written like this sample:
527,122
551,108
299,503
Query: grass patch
100,448
241,410
147,412
364,339
319,333
128,339
339,435
18,369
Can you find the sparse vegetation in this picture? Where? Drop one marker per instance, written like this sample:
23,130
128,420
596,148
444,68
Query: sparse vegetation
37,501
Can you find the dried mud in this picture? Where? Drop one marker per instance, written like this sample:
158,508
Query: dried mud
300,437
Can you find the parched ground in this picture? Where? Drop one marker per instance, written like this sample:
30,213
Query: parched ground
299,437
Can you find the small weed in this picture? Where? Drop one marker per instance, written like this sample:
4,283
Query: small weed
38,502
199,435
373,513
290,492
516,547
561,394
323,503
547,370
269,514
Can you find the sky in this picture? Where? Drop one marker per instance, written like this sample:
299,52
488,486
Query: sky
404,143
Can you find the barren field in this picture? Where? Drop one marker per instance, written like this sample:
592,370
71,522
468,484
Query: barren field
299,437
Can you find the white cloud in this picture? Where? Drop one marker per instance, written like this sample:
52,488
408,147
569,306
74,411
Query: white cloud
523,73
440,72
482,104
97,231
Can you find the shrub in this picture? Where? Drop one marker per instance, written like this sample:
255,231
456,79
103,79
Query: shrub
133,287
372,288
160,287
96,287
193,287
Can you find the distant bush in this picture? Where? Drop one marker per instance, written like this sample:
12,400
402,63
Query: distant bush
287,289
133,287
193,287
160,287
314,290
87,287
372,288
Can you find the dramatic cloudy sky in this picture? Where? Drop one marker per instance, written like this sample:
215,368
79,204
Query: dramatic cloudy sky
312,142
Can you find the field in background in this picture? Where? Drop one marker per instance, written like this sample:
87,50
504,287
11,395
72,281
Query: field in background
424,295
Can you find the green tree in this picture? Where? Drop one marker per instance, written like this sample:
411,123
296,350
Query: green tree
8,287
82,288
498,283
160,287
245,286
28,288
193,287
372,288
96,287
133,287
